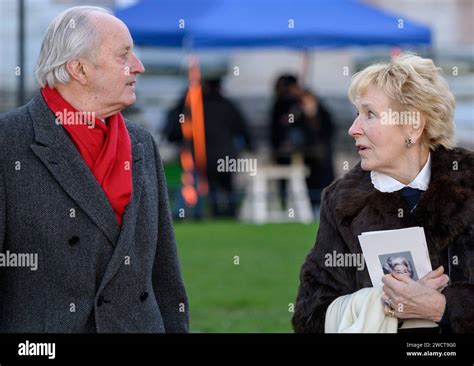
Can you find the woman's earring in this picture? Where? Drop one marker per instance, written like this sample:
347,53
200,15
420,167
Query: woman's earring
409,142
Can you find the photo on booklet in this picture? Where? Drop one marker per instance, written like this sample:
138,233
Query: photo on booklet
400,263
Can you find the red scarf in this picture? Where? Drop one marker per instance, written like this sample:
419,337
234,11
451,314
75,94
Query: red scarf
106,148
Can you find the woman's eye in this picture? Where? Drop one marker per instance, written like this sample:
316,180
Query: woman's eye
371,114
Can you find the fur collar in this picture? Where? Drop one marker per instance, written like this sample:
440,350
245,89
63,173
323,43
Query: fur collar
445,209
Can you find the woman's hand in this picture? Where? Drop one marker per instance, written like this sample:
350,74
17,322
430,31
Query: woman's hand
436,279
408,299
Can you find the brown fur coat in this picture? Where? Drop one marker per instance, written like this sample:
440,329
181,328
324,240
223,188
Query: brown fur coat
351,205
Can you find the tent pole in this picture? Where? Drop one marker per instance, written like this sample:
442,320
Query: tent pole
197,117
304,68
193,177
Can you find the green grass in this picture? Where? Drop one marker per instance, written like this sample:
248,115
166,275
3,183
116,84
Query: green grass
253,296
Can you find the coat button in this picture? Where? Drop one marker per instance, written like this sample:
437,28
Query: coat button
101,300
143,296
74,240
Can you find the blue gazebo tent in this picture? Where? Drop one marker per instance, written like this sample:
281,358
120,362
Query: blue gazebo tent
302,24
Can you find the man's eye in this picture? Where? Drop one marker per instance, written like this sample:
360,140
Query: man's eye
371,114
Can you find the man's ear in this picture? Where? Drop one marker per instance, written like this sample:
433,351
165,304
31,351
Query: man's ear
77,70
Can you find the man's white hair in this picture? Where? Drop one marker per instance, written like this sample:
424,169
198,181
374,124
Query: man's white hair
70,35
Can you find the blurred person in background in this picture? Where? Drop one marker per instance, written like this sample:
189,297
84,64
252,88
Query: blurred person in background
286,133
285,130
227,135
301,124
318,152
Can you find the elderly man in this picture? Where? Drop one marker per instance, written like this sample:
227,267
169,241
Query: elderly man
83,191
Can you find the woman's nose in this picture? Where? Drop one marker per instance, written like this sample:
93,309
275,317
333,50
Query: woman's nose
356,128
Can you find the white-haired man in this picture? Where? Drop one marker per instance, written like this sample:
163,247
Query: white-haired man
83,191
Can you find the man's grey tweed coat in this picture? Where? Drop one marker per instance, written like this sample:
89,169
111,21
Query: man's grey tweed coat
92,276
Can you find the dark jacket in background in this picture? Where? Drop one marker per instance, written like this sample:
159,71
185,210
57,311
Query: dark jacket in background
309,136
225,127
318,151
284,133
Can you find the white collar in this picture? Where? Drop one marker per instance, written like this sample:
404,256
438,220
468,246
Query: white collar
385,183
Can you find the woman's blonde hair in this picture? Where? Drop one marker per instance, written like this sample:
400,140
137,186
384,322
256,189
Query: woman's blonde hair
417,85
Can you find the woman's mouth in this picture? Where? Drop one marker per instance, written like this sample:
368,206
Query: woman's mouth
362,148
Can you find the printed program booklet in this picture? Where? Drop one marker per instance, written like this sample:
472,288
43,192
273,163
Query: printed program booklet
403,251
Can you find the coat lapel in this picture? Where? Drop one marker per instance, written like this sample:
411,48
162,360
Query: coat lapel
129,221
59,155
129,216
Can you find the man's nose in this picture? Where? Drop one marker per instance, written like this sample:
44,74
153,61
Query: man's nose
137,66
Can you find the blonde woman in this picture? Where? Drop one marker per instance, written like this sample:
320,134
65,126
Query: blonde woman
404,134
